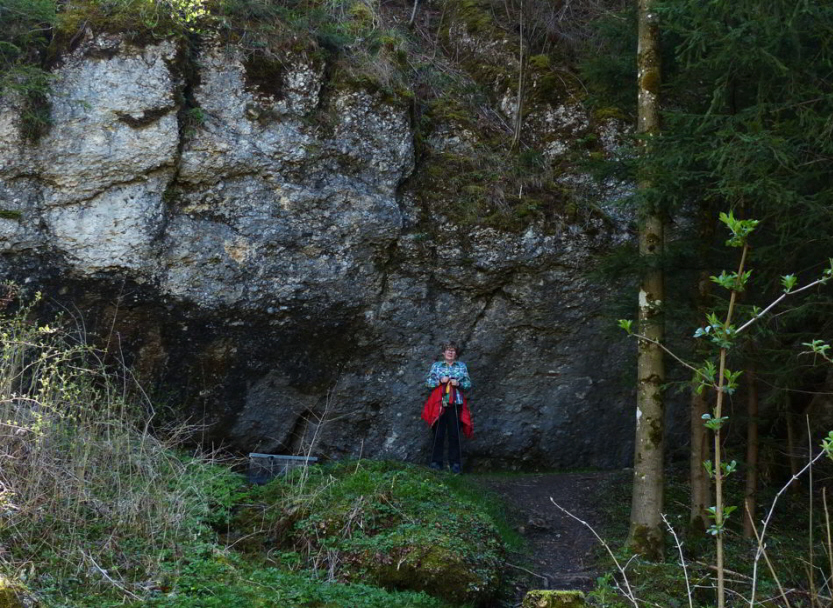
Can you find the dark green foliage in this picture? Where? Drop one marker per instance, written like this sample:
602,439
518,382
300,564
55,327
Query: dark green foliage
25,32
751,130
748,99
608,63
755,127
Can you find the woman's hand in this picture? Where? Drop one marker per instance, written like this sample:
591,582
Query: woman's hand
454,382
444,380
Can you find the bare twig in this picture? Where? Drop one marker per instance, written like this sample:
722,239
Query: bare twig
780,493
115,583
811,570
778,300
413,14
541,576
682,559
673,355
516,137
628,591
766,557
829,543
746,577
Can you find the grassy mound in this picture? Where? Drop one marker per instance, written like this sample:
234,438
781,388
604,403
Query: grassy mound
227,580
395,525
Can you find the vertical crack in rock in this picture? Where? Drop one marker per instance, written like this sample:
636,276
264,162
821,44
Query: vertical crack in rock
385,268
490,298
186,65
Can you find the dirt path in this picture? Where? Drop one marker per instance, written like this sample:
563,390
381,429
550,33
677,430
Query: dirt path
562,551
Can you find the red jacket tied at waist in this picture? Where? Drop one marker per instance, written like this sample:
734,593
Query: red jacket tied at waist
433,409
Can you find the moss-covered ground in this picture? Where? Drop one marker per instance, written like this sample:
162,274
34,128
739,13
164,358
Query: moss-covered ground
391,524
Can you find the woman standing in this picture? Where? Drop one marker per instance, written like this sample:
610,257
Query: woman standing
446,410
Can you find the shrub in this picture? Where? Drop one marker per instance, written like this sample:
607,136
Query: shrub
89,499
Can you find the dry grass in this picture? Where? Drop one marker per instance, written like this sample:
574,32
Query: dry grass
86,492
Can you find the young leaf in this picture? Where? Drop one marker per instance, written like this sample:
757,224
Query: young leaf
789,281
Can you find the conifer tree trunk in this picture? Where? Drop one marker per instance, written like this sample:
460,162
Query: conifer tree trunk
646,533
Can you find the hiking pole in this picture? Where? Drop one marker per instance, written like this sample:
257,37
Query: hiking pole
436,429
459,438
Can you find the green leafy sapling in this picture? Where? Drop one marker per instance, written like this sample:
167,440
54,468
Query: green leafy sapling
714,423
723,334
706,376
741,229
827,445
732,280
818,347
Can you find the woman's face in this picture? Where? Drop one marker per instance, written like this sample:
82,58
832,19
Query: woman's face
450,354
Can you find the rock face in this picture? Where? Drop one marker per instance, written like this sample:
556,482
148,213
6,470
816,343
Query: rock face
259,255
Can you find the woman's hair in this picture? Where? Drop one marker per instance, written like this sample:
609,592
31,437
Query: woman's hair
450,344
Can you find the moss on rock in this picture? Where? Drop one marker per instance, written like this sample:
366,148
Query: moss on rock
393,525
458,561
10,593
554,599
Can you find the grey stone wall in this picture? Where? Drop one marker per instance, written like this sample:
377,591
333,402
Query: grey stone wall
261,258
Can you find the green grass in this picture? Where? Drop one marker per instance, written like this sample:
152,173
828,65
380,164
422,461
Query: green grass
228,581
388,523
98,511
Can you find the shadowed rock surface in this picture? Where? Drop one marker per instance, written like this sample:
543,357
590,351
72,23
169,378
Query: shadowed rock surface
269,265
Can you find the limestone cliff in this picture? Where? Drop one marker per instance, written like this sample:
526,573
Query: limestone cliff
273,257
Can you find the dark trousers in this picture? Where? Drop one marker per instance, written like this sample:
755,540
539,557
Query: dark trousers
448,424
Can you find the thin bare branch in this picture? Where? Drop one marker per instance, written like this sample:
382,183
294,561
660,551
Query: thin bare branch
682,559
778,300
629,592
761,545
766,557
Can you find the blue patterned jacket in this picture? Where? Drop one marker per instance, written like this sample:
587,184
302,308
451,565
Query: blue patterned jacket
457,370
